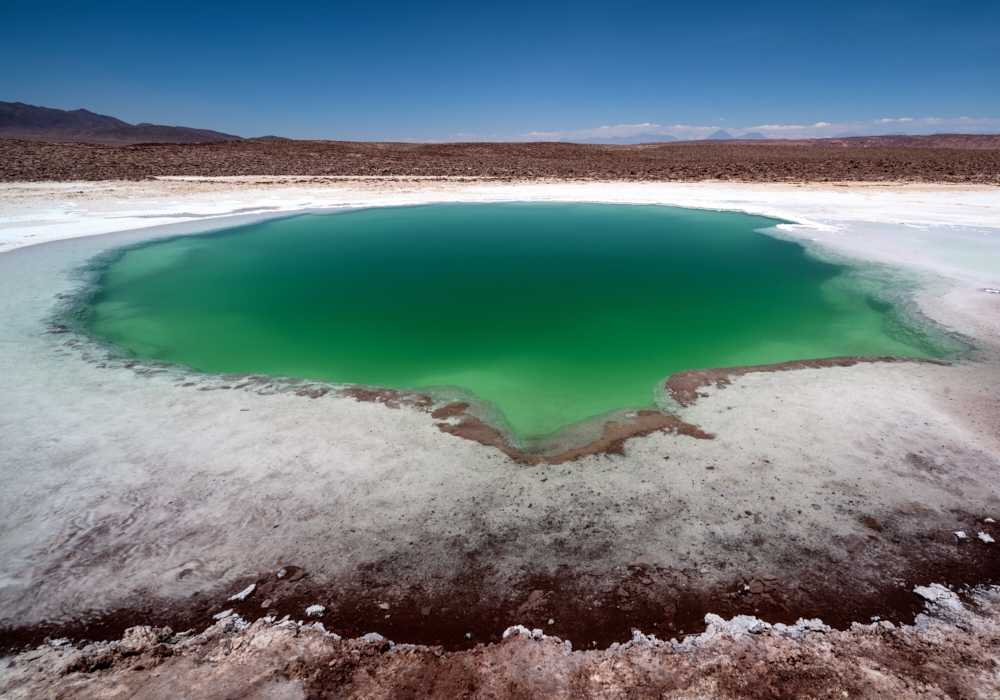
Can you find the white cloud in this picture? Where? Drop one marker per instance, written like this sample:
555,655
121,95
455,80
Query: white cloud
909,125
821,129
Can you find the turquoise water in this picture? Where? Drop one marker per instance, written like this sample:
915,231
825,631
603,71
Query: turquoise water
553,312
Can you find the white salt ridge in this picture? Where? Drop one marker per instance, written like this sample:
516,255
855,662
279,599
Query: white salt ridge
242,595
536,634
936,594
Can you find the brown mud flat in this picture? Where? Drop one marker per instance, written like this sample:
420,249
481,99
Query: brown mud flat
594,609
612,441
685,387
958,159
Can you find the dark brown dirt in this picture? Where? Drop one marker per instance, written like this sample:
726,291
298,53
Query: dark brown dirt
869,159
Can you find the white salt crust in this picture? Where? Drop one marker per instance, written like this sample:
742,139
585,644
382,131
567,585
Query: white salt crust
119,483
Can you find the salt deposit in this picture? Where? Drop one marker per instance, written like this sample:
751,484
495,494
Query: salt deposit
123,484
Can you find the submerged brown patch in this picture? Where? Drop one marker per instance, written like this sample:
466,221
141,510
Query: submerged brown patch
612,441
392,398
684,387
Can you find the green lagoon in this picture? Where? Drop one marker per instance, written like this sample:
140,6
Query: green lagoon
555,313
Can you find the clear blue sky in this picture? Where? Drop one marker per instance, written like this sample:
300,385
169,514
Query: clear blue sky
439,70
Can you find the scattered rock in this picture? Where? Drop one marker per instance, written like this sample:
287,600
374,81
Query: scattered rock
853,543
872,523
770,577
425,611
986,539
756,586
383,606
960,534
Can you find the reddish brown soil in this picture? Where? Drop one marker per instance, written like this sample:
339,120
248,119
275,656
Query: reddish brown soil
868,159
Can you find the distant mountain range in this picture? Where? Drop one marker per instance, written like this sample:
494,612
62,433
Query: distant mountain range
30,123
628,140
723,135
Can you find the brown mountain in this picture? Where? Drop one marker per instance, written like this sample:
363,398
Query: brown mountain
30,123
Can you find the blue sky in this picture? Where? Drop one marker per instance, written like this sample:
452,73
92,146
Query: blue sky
512,70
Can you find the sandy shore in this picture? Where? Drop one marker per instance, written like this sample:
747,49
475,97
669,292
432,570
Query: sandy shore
140,493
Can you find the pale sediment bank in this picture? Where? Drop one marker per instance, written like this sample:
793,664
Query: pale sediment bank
834,490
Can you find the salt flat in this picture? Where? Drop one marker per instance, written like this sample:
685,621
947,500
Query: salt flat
146,487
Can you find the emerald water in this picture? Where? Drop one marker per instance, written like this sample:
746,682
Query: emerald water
553,312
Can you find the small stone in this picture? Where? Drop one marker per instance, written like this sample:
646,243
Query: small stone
986,539
989,520
756,586
266,603
770,577
872,523
551,621
644,562
960,534
294,573
425,611
535,596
